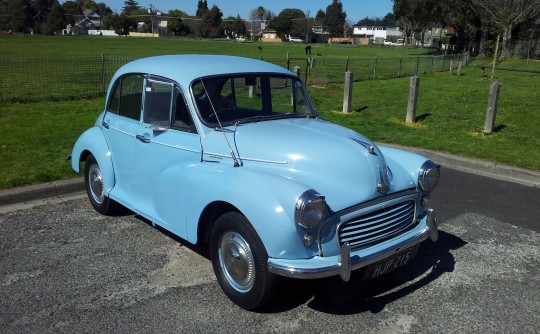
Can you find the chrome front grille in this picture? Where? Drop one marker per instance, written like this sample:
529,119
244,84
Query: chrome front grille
377,225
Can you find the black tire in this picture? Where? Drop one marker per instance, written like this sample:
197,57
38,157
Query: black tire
93,181
240,261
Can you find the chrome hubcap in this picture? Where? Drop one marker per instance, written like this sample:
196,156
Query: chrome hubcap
96,184
236,261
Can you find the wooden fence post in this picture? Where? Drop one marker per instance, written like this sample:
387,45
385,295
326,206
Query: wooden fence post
103,89
347,96
460,64
297,71
493,101
413,99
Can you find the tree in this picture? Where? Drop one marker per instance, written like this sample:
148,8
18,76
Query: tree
414,16
202,8
459,15
120,23
288,23
72,11
21,14
503,15
211,23
130,6
320,15
334,19
102,9
390,19
234,26
175,24
55,19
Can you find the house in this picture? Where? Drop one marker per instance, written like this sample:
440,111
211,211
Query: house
91,20
375,31
270,35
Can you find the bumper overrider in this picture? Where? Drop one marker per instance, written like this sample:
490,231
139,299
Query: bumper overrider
347,261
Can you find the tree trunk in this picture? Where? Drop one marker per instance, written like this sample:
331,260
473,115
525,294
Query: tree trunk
495,56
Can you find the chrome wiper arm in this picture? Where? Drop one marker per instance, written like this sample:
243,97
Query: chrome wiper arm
252,119
236,164
269,118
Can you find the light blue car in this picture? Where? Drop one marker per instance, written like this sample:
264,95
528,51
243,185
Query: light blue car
229,152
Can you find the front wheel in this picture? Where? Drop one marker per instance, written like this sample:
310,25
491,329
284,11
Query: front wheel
93,181
240,262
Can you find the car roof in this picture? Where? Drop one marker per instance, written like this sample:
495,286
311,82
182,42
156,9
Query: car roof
185,68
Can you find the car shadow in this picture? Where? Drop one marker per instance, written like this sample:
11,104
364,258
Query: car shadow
333,296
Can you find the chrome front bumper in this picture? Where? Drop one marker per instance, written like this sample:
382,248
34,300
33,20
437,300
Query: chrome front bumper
344,263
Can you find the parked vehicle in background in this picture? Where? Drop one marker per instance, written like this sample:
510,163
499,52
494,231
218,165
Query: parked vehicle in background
229,152
400,41
296,40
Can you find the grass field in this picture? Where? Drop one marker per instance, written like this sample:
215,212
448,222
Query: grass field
45,46
451,109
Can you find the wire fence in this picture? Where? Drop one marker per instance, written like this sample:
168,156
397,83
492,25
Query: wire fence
27,79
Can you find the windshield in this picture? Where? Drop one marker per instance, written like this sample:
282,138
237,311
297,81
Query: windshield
250,98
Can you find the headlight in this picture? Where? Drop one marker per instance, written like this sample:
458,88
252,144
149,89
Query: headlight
310,209
429,175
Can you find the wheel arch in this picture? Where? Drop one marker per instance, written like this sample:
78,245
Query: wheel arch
92,141
209,216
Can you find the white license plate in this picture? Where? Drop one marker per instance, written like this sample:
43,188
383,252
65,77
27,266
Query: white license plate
390,263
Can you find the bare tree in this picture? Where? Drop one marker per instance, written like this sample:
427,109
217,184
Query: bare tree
503,15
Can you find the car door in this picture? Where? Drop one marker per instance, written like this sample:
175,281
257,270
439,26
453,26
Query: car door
120,126
169,145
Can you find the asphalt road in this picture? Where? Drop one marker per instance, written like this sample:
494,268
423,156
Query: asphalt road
66,269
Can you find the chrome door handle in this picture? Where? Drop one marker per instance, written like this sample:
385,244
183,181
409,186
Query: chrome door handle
143,138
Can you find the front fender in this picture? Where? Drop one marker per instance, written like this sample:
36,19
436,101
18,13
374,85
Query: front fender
267,200
93,141
403,163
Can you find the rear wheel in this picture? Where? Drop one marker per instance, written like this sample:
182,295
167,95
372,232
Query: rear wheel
240,262
93,180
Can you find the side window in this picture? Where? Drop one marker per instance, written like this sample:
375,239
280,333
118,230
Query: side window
126,98
181,118
158,103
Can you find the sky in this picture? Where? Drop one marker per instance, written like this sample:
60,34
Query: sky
355,9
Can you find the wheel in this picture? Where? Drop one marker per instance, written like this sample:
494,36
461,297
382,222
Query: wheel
93,181
240,262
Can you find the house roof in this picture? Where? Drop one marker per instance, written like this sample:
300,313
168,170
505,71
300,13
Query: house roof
90,13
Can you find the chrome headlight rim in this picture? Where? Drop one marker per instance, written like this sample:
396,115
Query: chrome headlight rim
429,175
310,209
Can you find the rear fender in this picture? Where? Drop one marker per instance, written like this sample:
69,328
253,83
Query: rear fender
92,141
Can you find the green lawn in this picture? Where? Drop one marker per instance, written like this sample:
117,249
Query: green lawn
451,114
45,46
36,137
